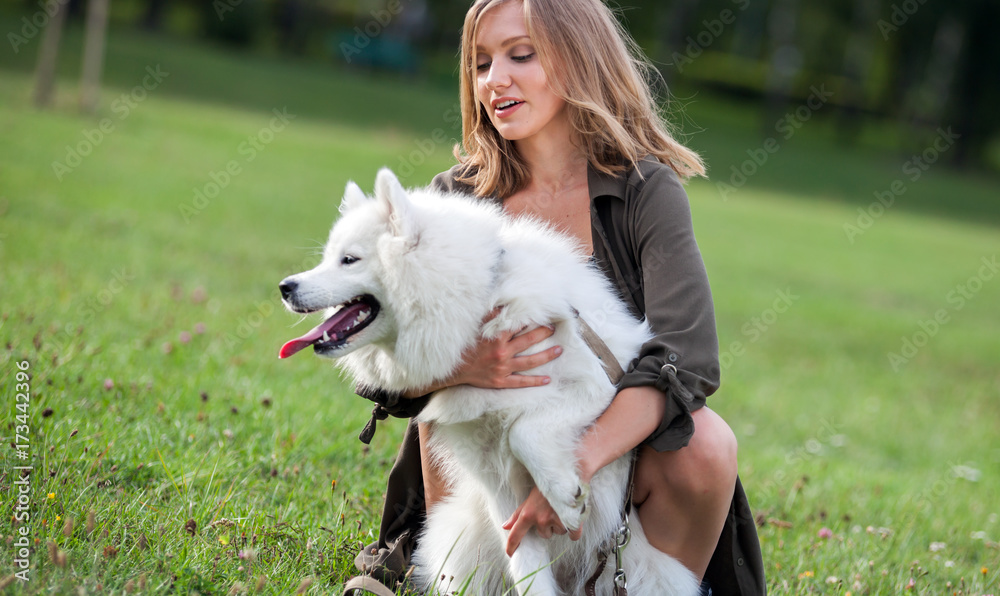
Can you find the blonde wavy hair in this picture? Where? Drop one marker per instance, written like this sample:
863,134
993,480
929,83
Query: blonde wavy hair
604,79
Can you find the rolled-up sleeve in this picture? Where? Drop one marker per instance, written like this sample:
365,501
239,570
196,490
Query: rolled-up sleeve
682,359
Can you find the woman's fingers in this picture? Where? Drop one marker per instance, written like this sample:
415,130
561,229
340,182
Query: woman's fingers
521,341
535,512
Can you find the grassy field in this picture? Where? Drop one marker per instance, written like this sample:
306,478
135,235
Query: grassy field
171,451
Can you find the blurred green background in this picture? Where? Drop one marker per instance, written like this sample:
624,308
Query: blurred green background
849,224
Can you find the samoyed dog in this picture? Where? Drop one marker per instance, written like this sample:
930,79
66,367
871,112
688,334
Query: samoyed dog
406,281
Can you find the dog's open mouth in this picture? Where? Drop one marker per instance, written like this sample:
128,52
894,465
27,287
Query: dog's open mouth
352,316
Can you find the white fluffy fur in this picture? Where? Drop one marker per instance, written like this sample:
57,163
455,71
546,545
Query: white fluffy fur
437,265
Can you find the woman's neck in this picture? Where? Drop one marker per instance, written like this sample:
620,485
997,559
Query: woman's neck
554,161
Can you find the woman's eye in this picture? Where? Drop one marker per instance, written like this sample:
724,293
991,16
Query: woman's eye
483,66
349,259
523,58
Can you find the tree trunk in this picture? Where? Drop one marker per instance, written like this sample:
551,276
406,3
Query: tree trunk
785,61
48,54
859,52
93,54
152,20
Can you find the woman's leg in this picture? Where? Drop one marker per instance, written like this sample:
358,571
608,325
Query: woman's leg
684,496
435,487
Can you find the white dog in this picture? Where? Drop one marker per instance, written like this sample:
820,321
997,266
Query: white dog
408,279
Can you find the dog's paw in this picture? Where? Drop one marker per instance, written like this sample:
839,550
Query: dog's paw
572,511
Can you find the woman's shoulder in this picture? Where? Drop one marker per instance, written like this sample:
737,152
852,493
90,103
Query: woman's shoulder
651,176
643,186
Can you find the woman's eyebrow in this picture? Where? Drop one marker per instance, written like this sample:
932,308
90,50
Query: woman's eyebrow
507,42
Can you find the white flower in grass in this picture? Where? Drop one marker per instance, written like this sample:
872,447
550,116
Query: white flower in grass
938,546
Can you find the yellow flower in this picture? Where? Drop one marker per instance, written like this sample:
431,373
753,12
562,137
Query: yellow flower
52,496
805,574
58,518
985,570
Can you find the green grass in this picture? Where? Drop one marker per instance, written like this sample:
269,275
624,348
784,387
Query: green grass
157,397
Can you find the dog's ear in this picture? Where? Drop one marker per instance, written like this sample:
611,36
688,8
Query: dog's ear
389,192
353,197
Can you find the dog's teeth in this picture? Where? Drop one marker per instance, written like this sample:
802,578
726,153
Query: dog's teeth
326,336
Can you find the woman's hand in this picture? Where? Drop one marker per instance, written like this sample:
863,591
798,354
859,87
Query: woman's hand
496,364
534,512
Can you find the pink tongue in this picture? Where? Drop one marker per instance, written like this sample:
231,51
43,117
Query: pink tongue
297,345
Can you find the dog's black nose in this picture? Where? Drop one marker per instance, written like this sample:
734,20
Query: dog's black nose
287,288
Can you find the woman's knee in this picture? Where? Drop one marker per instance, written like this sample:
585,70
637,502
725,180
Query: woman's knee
707,465
715,444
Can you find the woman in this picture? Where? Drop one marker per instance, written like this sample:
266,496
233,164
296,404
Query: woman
559,122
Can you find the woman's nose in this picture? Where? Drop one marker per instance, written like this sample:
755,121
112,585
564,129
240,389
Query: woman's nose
497,77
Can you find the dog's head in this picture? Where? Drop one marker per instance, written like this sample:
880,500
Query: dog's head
348,283
405,281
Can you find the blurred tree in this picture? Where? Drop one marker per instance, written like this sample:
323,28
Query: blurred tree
859,54
93,54
236,22
673,23
152,18
48,54
785,60
290,20
942,72
976,96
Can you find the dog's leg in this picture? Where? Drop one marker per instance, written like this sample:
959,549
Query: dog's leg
547,451
531,568
458,548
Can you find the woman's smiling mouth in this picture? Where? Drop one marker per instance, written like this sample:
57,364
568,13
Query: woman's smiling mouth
505,106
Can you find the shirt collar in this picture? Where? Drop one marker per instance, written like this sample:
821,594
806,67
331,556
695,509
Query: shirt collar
605,185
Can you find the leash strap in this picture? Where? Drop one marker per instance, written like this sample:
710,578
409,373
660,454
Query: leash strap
600,349
616,543
622,536
363,583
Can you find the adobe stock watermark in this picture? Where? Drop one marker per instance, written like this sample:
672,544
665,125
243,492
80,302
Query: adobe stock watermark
757,326
914,169
224,7
372,29
827,435
221,179
786,127
713,29
32,26
936,491
957,298
425,147
122,107
88,309
900,14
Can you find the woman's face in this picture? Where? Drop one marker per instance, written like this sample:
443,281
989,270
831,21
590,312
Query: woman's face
510,81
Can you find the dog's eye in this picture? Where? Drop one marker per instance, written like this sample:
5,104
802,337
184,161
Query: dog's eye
349,260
